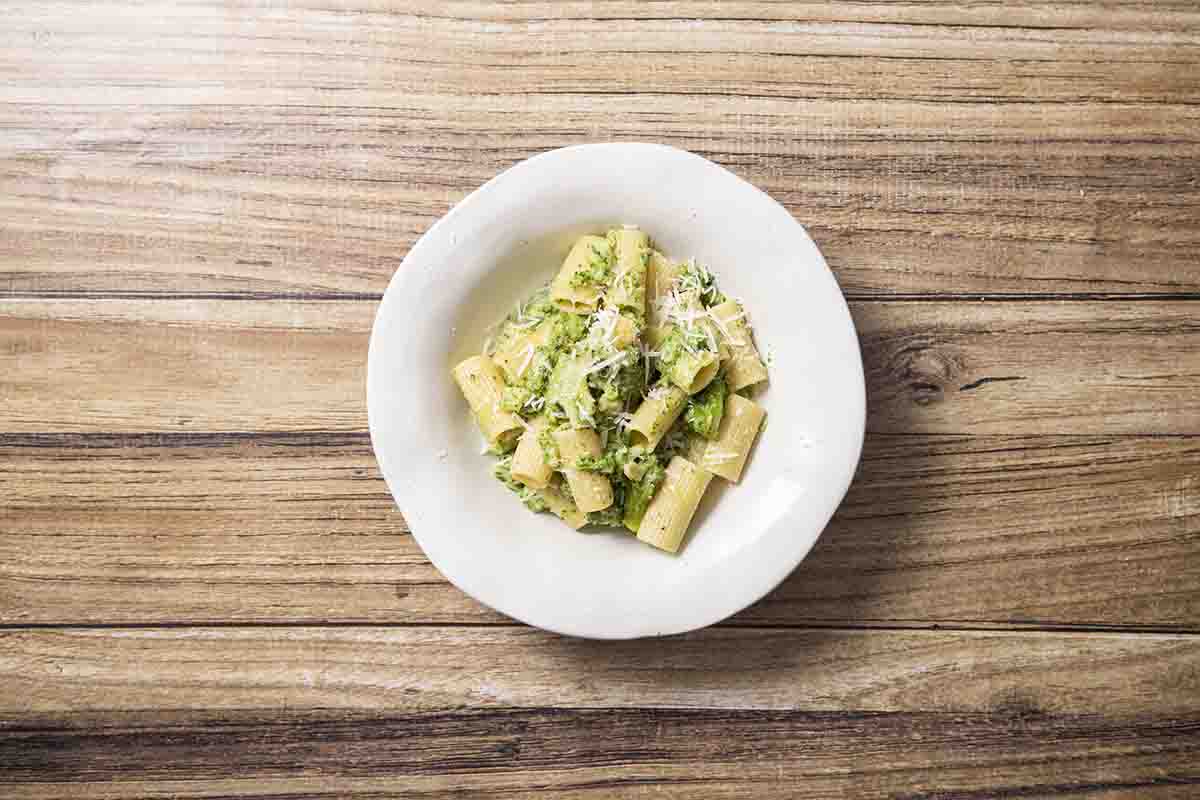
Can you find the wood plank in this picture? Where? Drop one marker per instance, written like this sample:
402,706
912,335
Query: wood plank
348,712
990,530
404,669
929,149
1031,368
114,365
577,754
1090,368
298,199
60,45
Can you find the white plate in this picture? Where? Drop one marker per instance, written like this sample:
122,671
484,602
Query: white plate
499,244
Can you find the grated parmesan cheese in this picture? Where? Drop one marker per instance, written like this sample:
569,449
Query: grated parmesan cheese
528,358
606,363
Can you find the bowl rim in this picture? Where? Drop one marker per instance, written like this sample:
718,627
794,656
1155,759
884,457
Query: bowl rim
766,580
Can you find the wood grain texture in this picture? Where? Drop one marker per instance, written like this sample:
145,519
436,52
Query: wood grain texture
395,713
948,368
206,590
929,147
990,530
112,365
578,754
406,669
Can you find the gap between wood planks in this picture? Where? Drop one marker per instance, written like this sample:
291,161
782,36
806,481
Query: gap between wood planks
1082,629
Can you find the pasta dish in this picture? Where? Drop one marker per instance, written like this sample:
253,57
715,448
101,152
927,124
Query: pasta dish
614,395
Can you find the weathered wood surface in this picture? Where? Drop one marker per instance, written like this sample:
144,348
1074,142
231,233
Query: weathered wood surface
930,147
984,712
932,367
997,530
422,668
577,754
206,591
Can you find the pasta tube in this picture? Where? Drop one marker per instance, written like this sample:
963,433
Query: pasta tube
529,461
661,273
656,335
582,277
561,507
631,253
625,332
693,371
655,415
482,386
592,491
691,351
671,511
517,354
726,454
745,367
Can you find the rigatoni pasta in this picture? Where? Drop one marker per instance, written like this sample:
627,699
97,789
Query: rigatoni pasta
671,511
481,384
661,273
725,455
583,276
613,395
631,255
529,459
516,354
745,367
592,491
655,416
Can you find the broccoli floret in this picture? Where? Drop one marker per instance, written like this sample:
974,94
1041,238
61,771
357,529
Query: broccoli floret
696,278
704,410
568,329
620,390
640,493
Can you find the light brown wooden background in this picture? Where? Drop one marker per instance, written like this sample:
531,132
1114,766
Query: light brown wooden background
206,591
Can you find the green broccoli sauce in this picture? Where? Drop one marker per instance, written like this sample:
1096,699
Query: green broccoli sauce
612,516
622,388
534,383
674,443
532,500
631,495
704,410
640,493
597,272
568,389
697,278
615,457
680,344
514,398
671,350
549,446
568,329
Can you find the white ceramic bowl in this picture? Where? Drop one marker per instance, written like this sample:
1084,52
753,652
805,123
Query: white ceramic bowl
509,237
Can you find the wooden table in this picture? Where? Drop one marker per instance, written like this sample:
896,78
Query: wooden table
205,588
